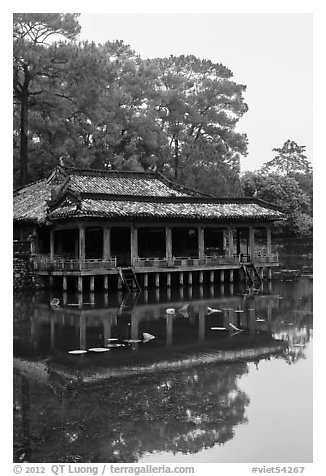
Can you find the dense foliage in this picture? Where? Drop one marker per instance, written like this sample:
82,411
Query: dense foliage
289,186
103,106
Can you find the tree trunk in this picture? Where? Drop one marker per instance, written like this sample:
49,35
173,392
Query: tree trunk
23,157
176,164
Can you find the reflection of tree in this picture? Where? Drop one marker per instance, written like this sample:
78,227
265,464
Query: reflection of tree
120,421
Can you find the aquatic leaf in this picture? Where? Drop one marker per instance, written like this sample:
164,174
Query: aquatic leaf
147,337
171,310
99,349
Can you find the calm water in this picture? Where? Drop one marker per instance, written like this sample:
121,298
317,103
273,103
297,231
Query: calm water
192,394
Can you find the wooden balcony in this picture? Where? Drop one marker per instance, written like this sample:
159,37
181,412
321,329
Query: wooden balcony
61,264
64,265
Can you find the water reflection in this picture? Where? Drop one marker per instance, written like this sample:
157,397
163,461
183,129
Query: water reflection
196,404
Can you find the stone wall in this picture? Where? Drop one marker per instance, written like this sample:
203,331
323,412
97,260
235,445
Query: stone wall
23,266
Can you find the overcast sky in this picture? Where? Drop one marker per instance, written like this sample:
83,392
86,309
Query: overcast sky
270,53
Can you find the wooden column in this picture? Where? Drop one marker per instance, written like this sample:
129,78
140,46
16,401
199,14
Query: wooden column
146,280
168,242
133,243
80,284
269,240
91,283
201,242
211,276
190,278
82,243
64,283
201,277
106,243
106,282
168,279
230,240
181,278
251,242
51,244
157,280
222,276
269,276
231,275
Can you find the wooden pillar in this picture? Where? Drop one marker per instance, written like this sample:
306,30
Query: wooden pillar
64,283
222,276
82,243
201,277
181,278
168,242
168,280
119,283
80,284
269,274
157,280
190,278
261,273
269,240
251,242
91,283
146,280
201,242
211,276
106,243
230,240
105,282
231,275
52,244
133,243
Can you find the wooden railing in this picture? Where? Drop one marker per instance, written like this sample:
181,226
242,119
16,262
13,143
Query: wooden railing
206,261
44,263
22,247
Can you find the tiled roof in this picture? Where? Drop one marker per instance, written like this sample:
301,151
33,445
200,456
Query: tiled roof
166,210
139,185
30,202
71,193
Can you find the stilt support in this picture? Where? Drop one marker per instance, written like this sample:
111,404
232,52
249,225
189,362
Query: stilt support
201,277
190,278
181,278
146,280
106,282
231,275
157,280
222,275
211,277
168,280
64,283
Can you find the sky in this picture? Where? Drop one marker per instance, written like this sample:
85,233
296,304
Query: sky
269,53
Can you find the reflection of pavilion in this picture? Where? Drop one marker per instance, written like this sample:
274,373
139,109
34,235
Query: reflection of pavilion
81,326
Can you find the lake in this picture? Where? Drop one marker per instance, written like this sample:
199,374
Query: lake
196,374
